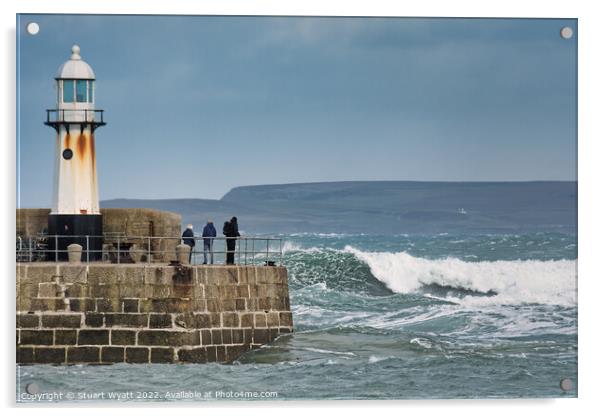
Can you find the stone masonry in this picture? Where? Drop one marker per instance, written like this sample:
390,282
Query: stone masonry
147,313
118,221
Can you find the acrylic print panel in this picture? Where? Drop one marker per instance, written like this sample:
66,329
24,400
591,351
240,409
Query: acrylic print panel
405,198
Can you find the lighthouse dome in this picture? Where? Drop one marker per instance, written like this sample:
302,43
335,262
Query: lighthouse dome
75,68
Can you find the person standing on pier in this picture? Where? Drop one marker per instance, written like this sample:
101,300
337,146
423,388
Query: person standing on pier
231,232
209,233
188,239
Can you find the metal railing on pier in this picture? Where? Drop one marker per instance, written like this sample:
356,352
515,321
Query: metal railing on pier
118,248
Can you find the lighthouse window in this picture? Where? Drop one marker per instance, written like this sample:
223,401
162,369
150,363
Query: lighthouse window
68,91
67,154
91,92
81,90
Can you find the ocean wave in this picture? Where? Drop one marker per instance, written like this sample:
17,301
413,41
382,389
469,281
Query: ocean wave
323,351
375,359
324,235
422,342
486,282
290,246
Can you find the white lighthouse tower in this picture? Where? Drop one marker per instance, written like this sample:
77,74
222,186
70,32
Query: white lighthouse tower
75,211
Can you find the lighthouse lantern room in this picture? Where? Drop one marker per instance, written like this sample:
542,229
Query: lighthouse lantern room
75,216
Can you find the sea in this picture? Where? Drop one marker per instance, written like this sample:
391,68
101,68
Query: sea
383,317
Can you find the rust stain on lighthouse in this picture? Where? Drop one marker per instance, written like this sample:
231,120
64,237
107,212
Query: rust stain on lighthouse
93,157
67,140
81,148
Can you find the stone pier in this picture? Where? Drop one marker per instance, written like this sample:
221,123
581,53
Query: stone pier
147,313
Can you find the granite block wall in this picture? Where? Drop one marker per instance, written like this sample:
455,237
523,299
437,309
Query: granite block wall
147,313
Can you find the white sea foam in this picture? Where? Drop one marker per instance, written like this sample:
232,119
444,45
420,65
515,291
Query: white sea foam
374,359
423,342
325,235
290,246
514,282
322,351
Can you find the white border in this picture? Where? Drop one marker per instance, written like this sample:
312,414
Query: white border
590,209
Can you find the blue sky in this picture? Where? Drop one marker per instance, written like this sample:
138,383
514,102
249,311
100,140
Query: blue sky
198,105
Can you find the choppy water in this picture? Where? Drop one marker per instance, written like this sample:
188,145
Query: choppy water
443,316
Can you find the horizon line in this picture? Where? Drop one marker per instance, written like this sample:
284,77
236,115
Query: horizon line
341,182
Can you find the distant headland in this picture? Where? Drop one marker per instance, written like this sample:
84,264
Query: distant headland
384,207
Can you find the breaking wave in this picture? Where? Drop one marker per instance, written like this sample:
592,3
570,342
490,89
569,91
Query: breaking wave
486,282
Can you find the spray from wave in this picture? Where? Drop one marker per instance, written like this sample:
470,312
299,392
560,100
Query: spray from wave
290,246
502,282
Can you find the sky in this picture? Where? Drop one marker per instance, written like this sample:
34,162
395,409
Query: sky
196,105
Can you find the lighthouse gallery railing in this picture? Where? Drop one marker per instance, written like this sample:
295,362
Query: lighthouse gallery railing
59,115
250,250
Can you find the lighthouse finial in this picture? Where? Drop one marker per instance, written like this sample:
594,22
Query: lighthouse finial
75,52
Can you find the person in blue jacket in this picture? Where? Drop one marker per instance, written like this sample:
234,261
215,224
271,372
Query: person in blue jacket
209,234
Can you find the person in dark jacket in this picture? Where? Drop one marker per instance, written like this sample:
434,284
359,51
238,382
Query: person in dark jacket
209,233
188,239
231,232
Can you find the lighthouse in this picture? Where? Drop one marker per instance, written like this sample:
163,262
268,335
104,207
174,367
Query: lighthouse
75,215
